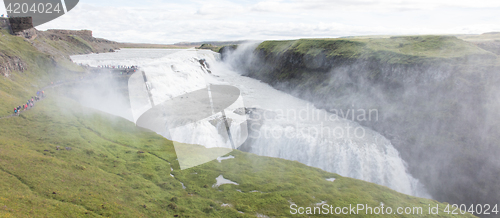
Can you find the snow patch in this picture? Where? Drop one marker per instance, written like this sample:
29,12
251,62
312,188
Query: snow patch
320,203
220,159
330,179
221,181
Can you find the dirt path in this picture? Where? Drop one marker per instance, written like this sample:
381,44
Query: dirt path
96,72
59,83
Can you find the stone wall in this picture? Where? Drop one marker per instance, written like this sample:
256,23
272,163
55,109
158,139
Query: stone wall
18,24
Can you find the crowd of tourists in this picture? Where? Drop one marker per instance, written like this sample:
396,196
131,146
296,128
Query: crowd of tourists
118,67
30,103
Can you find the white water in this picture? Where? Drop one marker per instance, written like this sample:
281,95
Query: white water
371,158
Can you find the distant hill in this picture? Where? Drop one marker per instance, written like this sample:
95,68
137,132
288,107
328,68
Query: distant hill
487,41
213,43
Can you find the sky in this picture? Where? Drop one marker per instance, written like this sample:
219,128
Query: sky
166,22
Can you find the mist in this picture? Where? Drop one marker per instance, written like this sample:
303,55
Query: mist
290,128
107,93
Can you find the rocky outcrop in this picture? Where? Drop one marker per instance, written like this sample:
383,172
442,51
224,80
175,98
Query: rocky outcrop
30,34
10,64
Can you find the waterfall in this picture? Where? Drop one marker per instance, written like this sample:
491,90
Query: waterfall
361,154
316,141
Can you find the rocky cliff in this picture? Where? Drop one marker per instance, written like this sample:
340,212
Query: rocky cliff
436,95
57,44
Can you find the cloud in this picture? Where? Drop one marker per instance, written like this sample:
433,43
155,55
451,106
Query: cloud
365,5
155,21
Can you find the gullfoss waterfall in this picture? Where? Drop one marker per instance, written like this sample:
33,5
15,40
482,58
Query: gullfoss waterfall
279,125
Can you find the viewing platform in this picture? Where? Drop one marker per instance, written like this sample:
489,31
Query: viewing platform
112,69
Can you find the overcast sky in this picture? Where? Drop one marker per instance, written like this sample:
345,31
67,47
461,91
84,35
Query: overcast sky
163,21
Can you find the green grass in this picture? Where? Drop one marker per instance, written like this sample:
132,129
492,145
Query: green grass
403,49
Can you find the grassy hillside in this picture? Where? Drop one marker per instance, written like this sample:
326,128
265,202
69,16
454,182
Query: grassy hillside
395,50
282,61
61,160
24,69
